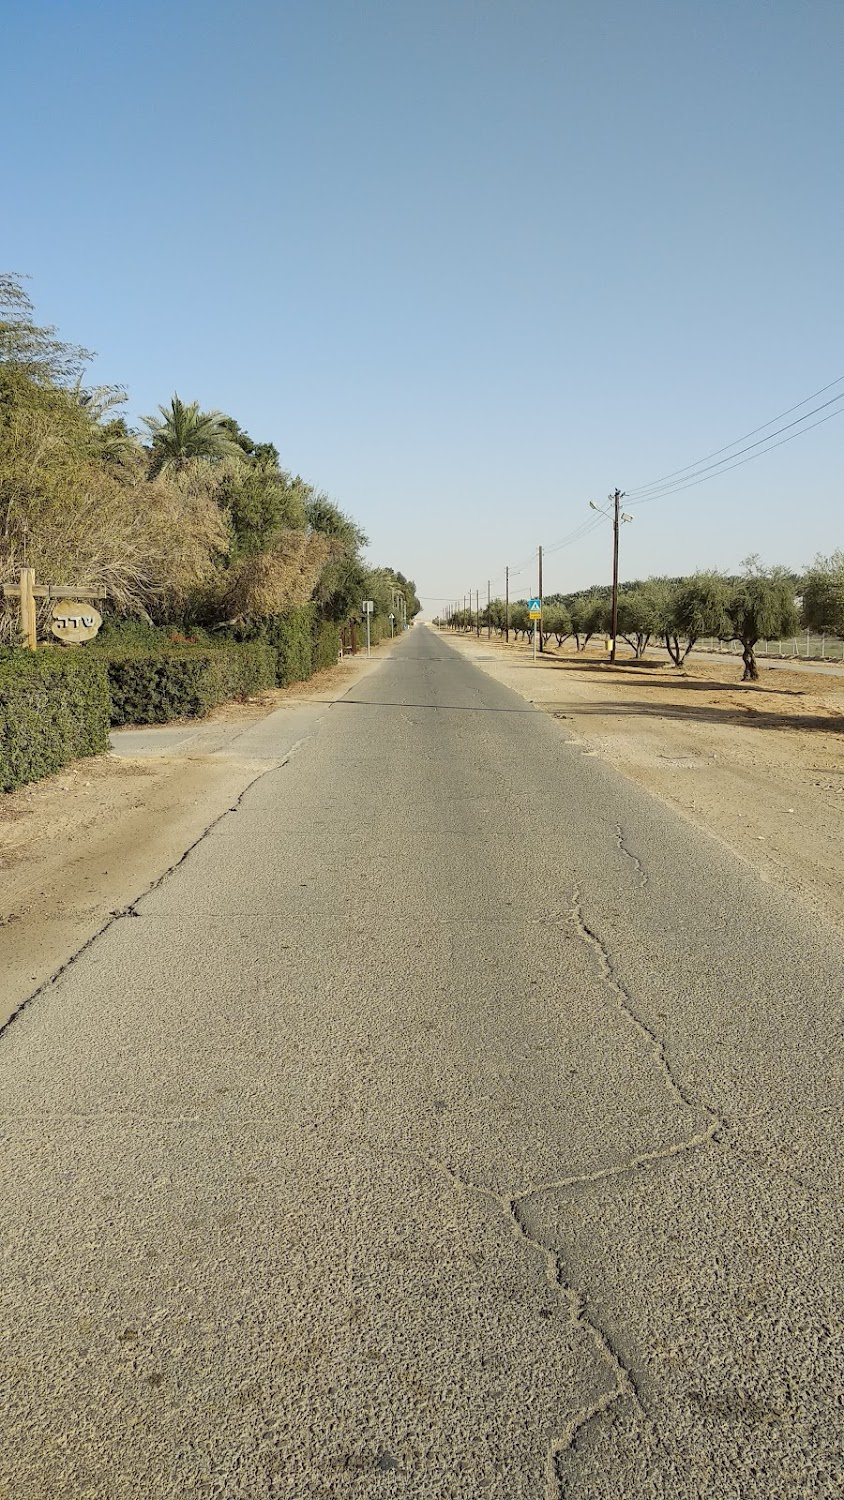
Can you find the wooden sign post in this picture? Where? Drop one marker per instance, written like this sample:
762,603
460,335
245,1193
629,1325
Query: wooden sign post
27,591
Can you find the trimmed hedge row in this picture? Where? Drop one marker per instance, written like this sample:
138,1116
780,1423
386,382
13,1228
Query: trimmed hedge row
326,645
150,686
302,642
54,707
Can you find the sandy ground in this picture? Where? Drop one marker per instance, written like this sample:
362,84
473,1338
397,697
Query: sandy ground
87,842
758,766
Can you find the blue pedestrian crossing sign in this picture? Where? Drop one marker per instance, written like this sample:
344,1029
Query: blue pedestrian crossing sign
535,609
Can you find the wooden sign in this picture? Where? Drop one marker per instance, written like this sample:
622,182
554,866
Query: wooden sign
27,591
74,622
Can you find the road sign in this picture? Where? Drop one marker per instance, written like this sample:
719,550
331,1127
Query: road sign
369,606
535,609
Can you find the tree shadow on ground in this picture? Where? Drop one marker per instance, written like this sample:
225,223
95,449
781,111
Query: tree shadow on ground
747,716
661,677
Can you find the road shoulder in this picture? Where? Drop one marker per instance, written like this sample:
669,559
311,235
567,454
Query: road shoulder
80,847
760,769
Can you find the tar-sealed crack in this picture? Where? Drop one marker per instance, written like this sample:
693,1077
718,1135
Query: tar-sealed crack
628,854
622,1383
626,1003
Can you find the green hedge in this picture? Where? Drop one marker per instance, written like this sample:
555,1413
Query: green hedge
55,704
172,682
290,637
326,648
379,629
54,707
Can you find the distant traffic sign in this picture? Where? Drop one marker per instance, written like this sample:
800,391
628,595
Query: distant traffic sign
535,609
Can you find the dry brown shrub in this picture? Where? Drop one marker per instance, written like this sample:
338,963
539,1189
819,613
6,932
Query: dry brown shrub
64,513
267,583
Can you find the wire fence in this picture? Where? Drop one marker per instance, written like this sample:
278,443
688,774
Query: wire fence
802,647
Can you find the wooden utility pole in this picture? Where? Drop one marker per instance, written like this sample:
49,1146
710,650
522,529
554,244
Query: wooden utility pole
616,498
507,604
488,612
541,646
477,615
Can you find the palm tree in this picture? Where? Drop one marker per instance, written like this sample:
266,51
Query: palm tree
183,434
118,444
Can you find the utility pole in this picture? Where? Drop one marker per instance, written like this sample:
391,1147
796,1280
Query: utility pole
507,604
617,498
477,616
541,647
488,614
618,516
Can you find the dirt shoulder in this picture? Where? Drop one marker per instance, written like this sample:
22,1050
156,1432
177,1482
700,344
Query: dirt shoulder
758,766
85,844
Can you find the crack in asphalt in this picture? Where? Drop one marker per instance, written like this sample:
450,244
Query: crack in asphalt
624,1381
642,1159
628,853
131,909
624,1384
627,1005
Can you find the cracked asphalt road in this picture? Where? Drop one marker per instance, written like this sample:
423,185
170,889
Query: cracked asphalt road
455,1120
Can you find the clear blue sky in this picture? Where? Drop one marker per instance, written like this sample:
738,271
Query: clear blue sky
468,263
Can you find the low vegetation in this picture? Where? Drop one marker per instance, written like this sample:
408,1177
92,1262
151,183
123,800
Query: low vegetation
53,707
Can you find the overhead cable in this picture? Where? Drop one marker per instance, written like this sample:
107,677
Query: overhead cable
702,479
732,451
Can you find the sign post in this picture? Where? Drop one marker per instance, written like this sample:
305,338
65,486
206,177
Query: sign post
392,624
368,609
72,622
535,613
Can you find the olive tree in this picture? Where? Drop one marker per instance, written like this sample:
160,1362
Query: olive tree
496,612
520,621
823,594
640,615
697,608
556,621
590,614
760,607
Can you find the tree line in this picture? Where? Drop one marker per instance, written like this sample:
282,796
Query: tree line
186,521
758,605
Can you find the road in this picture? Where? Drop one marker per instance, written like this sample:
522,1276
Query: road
453,1121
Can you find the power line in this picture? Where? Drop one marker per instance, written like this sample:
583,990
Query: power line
689,470
700,471
725,464
590,524
677,489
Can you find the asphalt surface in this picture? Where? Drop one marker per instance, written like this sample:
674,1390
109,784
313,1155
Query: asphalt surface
454,1120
